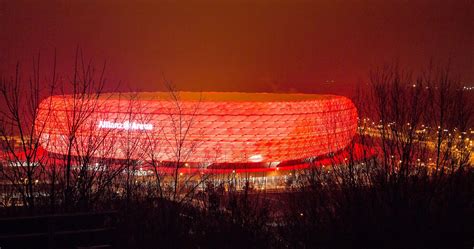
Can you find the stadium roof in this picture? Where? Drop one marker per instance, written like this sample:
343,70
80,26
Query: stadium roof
219,96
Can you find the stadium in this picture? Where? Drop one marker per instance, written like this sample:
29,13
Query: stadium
205,129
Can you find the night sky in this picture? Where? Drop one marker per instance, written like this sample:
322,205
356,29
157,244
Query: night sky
237,45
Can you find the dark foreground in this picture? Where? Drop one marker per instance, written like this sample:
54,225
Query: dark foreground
416,212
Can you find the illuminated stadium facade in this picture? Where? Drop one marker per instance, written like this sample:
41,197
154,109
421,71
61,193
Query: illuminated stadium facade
203,128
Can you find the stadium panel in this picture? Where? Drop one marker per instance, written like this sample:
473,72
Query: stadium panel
208,128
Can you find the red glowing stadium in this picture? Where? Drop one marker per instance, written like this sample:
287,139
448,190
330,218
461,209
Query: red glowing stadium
208,128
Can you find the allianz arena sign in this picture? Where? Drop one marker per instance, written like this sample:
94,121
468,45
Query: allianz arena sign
127,125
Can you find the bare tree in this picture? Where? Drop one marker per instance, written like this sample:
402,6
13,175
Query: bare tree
20,131
413,123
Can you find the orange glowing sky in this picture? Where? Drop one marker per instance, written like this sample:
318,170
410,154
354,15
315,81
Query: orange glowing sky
237,45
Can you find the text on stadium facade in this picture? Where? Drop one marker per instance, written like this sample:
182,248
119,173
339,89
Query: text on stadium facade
124,125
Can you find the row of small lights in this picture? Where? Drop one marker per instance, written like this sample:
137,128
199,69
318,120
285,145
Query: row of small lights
455,130
468,88
365,120
464,88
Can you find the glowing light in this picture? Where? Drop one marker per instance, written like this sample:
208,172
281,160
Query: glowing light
126,125
256,158
226,127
